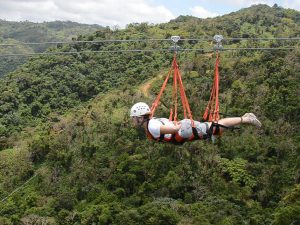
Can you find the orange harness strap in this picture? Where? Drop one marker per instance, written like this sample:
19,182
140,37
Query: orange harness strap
156,101
174,92
212,109
176,81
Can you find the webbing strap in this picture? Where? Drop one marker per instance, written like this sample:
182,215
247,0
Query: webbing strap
185,101
174,94
156,101
195,133
176,81
212,109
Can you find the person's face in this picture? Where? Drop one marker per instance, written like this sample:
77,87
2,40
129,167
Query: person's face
137,121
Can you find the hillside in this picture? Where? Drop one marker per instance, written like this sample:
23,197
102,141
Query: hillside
64,123
28,32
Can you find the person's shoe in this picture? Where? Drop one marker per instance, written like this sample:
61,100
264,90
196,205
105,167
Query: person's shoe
249,115
251,118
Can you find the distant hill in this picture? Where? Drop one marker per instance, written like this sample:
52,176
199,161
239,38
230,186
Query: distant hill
64,124
18,32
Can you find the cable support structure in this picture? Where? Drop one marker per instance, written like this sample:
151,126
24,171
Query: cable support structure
143,40
145,50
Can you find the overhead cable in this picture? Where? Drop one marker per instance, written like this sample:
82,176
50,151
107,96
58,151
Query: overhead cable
144,40
143,50
79,42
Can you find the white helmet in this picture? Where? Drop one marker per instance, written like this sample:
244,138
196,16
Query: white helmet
140,109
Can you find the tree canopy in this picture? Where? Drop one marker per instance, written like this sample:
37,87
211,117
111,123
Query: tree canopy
64,123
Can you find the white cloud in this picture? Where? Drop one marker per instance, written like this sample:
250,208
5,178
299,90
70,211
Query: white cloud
239,3
116,12
201,12
292,4
103,12
246,3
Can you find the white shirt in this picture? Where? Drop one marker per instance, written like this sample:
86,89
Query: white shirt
154,126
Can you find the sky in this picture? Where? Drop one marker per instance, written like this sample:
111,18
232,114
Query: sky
122,12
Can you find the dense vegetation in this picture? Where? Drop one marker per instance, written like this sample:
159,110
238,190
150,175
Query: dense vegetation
64,123
28,32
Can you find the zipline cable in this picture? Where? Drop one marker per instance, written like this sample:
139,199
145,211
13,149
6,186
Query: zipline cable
144,40
143,50
79,42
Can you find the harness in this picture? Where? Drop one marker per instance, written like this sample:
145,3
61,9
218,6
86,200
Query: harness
215,129
176,138
150,136
211,113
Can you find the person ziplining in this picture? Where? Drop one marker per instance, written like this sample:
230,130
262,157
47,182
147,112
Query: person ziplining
180,131
172,130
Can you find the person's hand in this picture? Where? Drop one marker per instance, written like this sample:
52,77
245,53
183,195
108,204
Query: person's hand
177,125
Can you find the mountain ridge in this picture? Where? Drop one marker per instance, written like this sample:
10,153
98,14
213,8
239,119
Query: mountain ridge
24,32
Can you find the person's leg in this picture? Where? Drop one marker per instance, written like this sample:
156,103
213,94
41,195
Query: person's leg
202,128
186,129
248,118
231,121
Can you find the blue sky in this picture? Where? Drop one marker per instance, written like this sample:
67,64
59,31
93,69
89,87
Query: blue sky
183,7
122,12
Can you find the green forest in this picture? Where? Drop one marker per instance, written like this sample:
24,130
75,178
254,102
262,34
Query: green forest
16,33
69,153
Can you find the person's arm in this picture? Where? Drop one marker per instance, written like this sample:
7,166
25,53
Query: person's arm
170,129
